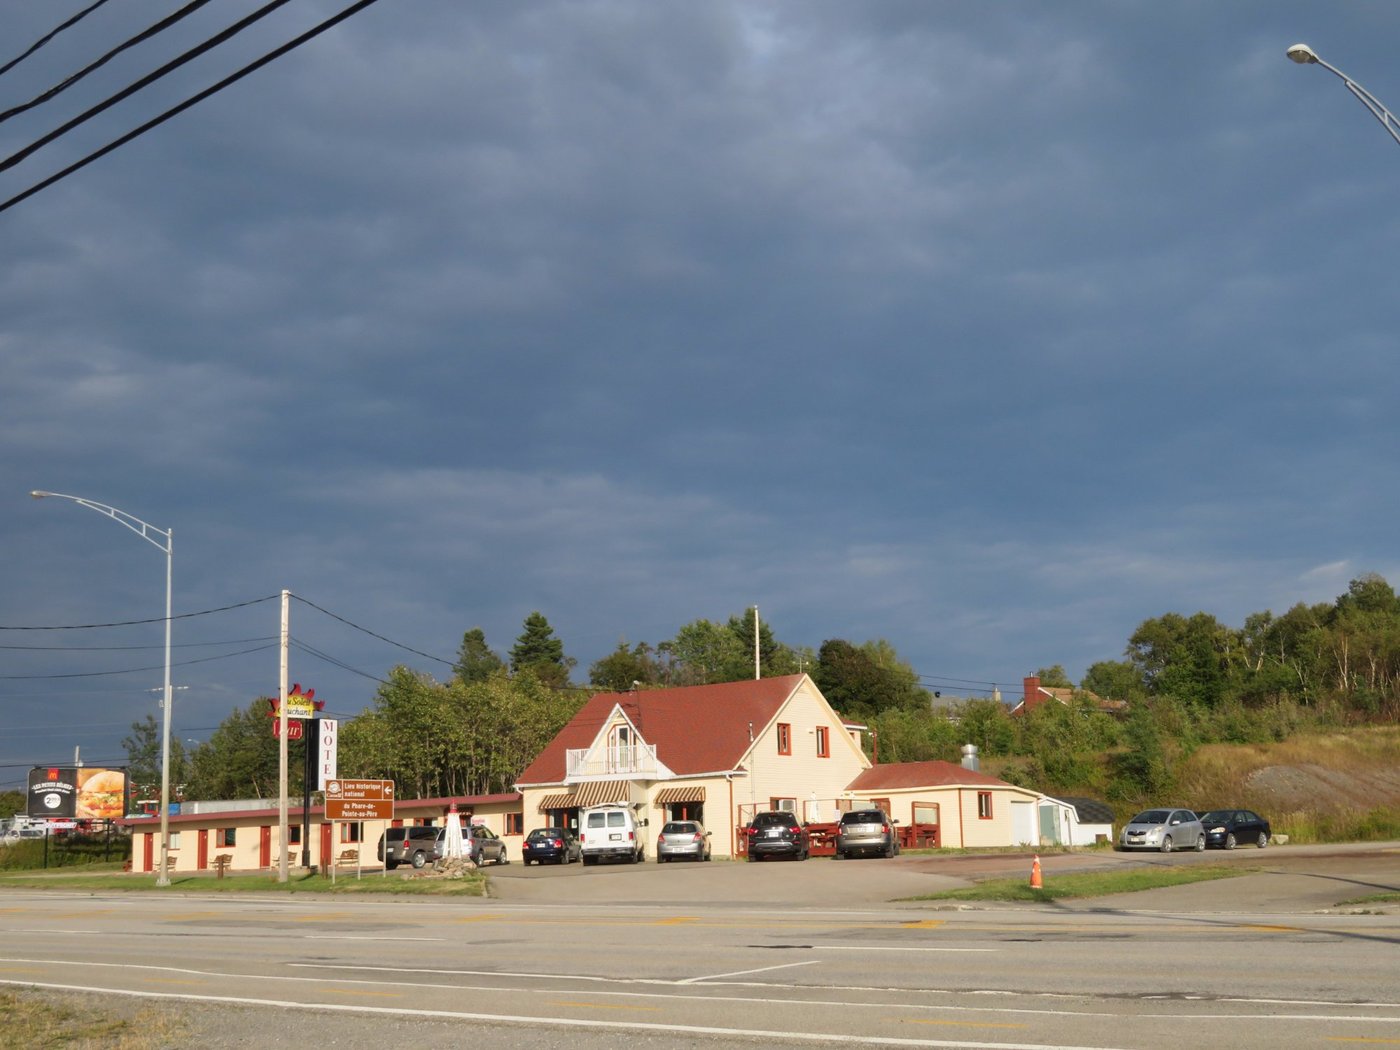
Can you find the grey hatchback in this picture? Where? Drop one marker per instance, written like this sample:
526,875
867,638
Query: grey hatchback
1163,829
682,838
866,831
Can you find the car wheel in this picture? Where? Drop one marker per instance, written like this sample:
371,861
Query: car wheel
1263,840
1200,843
419,859
889,851
504,858
1167,844
838,855
1230,840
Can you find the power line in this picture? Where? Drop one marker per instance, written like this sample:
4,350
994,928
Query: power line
132,670
50,35
191,101
145,34
137,623
127,648
372,634
136,85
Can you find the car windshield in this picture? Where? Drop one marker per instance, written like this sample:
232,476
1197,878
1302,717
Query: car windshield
1152,816
1217,816
767,819
539,834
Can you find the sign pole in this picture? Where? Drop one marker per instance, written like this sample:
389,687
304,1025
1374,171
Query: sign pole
282,741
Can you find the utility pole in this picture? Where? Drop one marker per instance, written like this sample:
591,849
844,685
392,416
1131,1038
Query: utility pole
282,738
756,672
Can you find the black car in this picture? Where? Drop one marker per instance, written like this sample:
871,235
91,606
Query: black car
559,845
776,833
1228,828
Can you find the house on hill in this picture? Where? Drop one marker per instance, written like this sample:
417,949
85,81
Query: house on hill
1033,694
712,753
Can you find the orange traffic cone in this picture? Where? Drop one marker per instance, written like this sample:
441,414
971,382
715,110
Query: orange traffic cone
1036,882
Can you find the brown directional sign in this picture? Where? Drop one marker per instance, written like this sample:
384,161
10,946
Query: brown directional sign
359,800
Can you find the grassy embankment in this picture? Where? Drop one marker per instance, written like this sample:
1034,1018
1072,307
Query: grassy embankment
108,877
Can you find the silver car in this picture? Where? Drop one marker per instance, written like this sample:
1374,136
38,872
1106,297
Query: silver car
866,831
682,838
1163,829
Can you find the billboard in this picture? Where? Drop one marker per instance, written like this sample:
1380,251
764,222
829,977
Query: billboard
76,793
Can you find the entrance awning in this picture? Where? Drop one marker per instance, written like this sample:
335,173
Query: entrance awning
564,801
597,792
670,796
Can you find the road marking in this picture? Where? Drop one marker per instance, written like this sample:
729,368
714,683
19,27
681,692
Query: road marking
679,920
892,948
1358,1039
364,937
1259,928
964,1024
630,1025
745,973
604,1006
363,991
922,924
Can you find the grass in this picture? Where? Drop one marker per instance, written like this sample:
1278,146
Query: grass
35,1019
1082,884
473,885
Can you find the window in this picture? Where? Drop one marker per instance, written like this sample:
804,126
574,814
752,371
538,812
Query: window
353,831
984,805
515,823
294,835
224,837
174,840
823,742
784,738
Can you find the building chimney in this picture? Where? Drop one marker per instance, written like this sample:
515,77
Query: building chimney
1031,695
969,757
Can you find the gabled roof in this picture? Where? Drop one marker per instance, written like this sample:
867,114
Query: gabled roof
896,775
1088,810
695,729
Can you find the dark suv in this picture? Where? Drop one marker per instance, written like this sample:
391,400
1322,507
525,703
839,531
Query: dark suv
416,846
776,833
866,831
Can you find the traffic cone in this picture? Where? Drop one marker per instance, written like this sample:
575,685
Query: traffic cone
1036,882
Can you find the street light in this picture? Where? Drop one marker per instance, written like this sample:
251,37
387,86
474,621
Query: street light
1306,56
148,532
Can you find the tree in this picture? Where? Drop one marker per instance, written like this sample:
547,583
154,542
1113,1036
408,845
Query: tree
1113,680
624,667
704,653
1140,770
143,758
476,662
861,681
240,759
1054,677
1186,659
539,651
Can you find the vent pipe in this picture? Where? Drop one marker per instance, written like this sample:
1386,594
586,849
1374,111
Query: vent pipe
969,757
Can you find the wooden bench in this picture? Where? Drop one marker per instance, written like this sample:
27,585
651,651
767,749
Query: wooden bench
221,864
349,858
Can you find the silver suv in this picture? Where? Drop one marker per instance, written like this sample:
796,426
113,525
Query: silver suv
866,831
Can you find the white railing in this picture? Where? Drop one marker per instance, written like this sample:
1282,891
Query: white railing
633,760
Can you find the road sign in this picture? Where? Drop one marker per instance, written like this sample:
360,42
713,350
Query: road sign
359,800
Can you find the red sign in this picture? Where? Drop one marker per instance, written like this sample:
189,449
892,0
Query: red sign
359,800
294,728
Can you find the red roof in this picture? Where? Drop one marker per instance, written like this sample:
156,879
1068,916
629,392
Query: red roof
897,775
695,729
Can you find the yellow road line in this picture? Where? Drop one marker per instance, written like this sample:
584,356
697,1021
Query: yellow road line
1359,1039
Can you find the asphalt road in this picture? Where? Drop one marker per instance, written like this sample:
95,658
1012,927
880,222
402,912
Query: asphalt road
730,954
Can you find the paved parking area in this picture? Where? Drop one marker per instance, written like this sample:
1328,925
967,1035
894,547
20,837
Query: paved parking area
1281,879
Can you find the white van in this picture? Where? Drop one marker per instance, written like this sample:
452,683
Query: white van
610,831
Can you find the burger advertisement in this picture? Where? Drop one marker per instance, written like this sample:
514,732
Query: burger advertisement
77,793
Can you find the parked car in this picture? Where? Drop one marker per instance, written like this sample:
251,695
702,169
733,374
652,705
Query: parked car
1163,829
866,831
417,846
483,845
1227,828
559,845
682,838
610,831
776,833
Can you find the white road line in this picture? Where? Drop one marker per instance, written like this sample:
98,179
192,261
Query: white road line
358,937
890,948
557,1022
745,973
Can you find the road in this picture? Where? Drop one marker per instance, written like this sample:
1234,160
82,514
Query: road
728,954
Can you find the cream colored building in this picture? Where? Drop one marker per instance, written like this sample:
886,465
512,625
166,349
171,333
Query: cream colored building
248,833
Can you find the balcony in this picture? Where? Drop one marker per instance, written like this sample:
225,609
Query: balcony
634,762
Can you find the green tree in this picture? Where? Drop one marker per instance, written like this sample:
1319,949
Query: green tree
625,666
539,651
1113,680
1184,658
1140,770
703,653
475,660
987,724
1054,677
862,681
11,802
143,758
240,759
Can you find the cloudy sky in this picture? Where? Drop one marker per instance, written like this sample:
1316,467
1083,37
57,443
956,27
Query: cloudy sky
991,330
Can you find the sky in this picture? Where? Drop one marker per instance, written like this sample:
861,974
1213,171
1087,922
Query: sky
989,330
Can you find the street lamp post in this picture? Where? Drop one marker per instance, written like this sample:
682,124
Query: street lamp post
148,532
1306,56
